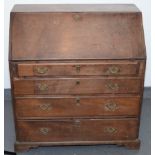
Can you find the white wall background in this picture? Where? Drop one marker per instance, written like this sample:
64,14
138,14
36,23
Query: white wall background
143,5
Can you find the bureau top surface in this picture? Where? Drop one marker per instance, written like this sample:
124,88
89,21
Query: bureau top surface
56,32
75,8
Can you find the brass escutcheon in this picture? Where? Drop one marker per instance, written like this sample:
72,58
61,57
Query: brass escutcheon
111,106
77,122
77,17
78,101
41,70
77,82
78,67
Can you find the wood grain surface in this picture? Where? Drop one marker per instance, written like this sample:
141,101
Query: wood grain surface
77,130
79,106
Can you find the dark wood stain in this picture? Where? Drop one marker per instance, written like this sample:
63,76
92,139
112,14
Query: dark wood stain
61,69
77,74
79,130
56,86
101,33
78,106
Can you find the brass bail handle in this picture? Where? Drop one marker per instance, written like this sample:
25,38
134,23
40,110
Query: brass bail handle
43,87
112,86
111,106
45,107
110,130
44,131
41,70
113,70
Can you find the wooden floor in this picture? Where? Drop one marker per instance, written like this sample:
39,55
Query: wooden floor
145,134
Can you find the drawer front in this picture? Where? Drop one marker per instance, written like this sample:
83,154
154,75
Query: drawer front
77,106
76,86
77,130
66,69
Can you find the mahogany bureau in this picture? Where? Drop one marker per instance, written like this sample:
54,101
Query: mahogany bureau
77,74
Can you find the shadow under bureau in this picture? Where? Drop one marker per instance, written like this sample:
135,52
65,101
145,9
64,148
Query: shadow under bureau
77,74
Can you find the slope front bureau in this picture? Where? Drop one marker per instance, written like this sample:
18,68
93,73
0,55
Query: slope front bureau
77,74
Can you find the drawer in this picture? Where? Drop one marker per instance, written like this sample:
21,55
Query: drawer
77,130
76,86
79,106
65,69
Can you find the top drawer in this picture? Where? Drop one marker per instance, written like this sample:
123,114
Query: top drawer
65,69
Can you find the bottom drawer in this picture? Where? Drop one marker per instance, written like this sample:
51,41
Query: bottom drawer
77,130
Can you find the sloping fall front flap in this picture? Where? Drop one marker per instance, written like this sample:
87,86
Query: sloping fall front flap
76,35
